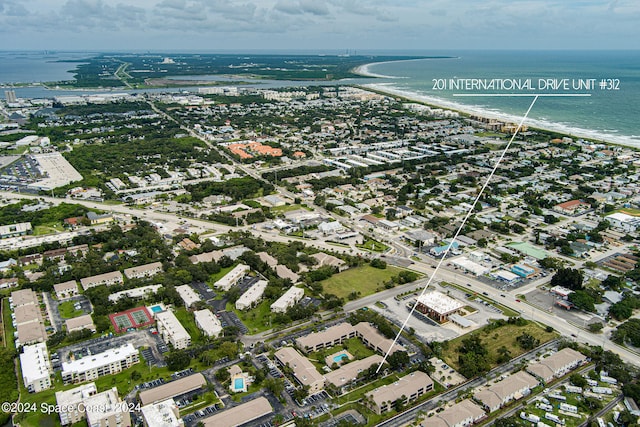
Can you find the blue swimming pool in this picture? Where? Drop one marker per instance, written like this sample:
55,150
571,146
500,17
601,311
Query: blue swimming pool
340,357
156,309
238,384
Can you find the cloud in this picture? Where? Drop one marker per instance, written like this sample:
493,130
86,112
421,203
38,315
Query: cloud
302,7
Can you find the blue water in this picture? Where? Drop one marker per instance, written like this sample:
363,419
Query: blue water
35,66
340,357
238,384
609,115
156,309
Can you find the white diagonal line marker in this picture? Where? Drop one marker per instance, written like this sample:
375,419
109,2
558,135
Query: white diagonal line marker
464,221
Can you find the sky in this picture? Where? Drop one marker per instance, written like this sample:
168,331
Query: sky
305,25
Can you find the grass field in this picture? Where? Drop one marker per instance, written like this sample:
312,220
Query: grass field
219,275
373,245
67,310
257,319
188,321
365,279
495,339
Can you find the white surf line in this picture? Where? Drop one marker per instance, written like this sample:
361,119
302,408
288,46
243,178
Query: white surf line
464,221
522,94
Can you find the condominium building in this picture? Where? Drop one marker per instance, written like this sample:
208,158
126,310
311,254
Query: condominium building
462,414
233,277
208,323
557,365
172,389
287,300
162,414
241,414
188,295
303,370
108,279
172,331
407,388
252,295
79,323
94,366
343,331
36,367
514,387
142,271
348,373
66,290
140,292
104,409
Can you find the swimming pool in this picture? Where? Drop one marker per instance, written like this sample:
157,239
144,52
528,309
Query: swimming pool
238,384
156,309
340,357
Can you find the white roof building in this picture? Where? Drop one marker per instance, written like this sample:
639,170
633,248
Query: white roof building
188,295
135,292
146,270
472,267
287,300
94,366
208,323
68,401
232,277
252,295
172,331
438,305
162,414
35,367
107,409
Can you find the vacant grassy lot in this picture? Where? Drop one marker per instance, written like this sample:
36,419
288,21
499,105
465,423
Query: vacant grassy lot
373,245
68,311
365,279
495,339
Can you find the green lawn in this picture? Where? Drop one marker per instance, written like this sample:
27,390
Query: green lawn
67,310
365,279
288,208
373,245
257,319
219,275
188,321
8,326
494,339
40,230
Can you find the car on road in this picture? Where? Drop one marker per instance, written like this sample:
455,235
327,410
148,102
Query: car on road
484,293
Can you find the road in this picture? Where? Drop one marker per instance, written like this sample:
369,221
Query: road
410,415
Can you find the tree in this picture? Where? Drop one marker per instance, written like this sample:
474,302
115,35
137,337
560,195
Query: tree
222,375
511,421
578,380
228,349
274,385
504,355
398,359
595,327
582,300
527,341
177,360
569,278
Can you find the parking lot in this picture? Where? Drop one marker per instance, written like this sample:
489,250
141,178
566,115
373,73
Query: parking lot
229,318
544,300
444,374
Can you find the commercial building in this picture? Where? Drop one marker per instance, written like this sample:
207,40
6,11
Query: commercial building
172,331
303,370
97,365
36,367
96,219
572,207
252,295
241,414
233,277
623,221
104,409
514,387
208,323
188,295
172,389
108,279
135,292
438,306
79,323
66,289
462,414
162,414
557,365
408,388
287,300
348,373
466,265
142,271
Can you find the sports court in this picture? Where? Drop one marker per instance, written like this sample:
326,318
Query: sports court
133,318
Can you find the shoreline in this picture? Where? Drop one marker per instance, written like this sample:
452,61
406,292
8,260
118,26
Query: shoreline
562,128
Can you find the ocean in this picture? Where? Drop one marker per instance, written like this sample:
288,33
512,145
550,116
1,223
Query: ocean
608,115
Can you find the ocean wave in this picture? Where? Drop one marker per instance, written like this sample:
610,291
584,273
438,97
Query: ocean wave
492,113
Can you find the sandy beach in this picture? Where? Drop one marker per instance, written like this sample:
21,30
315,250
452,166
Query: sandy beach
389,89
